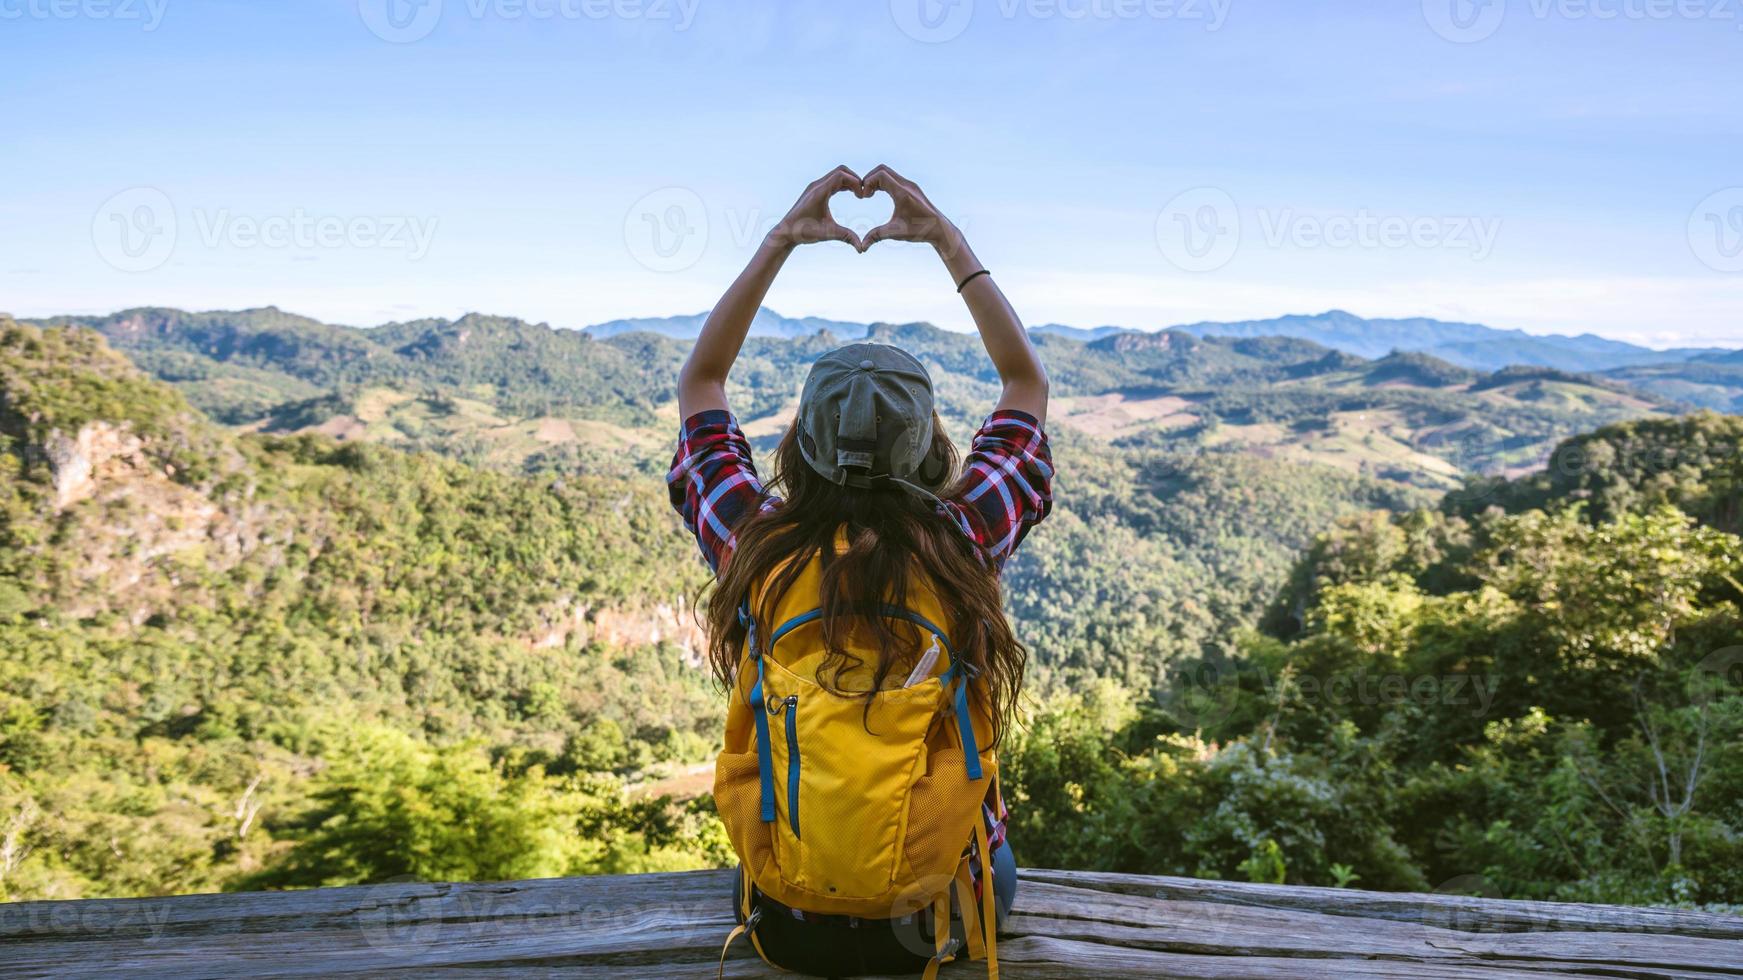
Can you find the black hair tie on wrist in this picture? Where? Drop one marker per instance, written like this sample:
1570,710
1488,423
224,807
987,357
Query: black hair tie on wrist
970,279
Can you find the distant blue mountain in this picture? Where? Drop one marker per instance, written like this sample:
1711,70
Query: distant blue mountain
767,323
1085,334
1469,345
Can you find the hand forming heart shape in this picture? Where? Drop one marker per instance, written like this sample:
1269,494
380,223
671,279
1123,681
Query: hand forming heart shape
912,218
860,211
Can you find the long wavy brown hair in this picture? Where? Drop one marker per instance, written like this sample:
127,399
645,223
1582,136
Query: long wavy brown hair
893,539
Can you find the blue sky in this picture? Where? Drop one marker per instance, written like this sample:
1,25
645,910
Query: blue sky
1553,165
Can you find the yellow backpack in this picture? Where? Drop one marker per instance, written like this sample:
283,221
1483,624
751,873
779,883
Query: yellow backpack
838,808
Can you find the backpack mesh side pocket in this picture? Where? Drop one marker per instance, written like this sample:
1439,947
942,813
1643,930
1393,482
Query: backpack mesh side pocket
942,810
738,798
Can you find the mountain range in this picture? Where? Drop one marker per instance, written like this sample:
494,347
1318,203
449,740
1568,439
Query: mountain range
504,392
1468,344
1471,345
1705,377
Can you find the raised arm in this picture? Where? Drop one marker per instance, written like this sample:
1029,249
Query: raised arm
916,219
702,381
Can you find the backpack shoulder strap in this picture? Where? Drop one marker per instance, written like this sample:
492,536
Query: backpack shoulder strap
765,760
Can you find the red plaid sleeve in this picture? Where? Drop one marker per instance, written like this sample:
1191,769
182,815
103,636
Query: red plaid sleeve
713,482
1006,486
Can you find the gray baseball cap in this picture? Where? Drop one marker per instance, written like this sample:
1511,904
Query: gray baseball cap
865,417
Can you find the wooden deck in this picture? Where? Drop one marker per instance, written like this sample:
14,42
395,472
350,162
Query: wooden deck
1066,924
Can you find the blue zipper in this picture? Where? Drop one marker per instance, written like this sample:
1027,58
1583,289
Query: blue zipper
791,702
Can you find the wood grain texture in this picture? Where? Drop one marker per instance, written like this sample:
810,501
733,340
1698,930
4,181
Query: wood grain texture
1066,925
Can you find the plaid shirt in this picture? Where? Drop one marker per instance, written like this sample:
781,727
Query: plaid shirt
1006,488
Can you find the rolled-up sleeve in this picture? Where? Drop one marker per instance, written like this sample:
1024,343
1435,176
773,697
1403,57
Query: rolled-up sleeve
713,482
1006,486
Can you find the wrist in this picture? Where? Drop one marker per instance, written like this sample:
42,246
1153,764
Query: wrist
947,239
778,244
954,252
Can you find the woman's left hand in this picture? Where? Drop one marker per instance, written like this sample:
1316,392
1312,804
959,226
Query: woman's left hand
809,219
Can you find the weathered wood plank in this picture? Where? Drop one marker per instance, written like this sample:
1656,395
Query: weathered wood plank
267,911
1136,922
1448,911
1067,925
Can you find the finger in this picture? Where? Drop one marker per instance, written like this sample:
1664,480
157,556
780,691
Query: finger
880,179
889,177
824,230
832,180
889,229
848,235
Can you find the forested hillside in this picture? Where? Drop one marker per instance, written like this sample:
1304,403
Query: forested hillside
264,645
287,660
1536,694
1207,462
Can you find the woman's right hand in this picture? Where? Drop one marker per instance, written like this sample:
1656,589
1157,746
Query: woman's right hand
809,219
